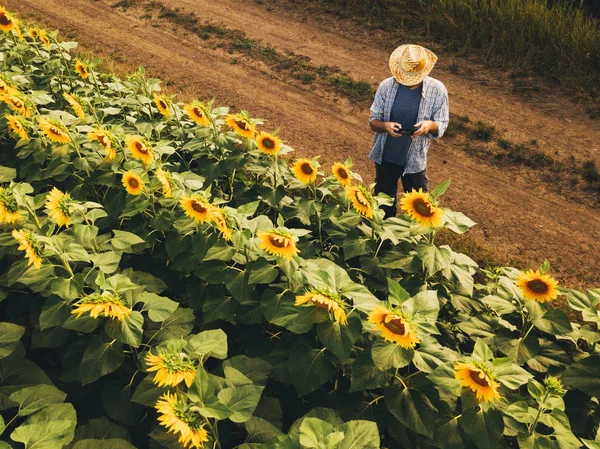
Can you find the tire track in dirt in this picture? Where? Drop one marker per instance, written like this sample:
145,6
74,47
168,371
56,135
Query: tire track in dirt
516,212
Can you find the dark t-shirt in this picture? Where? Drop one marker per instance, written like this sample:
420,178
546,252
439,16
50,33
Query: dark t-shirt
404,111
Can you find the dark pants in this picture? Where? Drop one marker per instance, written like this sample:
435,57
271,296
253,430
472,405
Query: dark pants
386,181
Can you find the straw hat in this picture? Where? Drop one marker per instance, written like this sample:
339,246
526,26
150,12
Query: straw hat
410,64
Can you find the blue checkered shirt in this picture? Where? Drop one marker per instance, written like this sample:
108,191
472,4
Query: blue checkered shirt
434,106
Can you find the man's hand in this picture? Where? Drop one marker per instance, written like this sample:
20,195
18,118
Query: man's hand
392,128
426,126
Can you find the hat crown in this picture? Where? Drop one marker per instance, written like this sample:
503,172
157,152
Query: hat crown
413,59
410,63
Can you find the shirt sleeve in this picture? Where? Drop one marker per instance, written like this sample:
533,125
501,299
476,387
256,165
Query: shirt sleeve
378,104
441,113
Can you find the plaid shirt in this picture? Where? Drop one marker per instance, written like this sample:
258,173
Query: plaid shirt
434,106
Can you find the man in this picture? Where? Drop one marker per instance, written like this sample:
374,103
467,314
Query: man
409,111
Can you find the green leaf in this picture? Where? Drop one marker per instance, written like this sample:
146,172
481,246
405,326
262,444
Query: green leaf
422,311
117,403
440,189
433,258
107,262
430,354
449,435
499,305
51,434
360,435
112,443
367,376
242,400
128,331
159,308
261,271
485,428
553,321
147,392
390,355
339,338
481,351
261,431
509,374
100,359
16,373
308,368
313,433
7,174
10,335
457,221
220,250
397,294
32,399
179,324
206,344
124,240
583,375
412,408
242,369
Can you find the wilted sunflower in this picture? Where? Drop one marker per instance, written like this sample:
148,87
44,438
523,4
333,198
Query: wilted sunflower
57,207
75,104
242,126
103,138
478,379
54,131
28,243
16,127
325,300
81,69
268,143
419,206
221,220
197,207
165,180
179,418
9,210
394,327
7,22
362,200
133,183
6,88
162,103
537,286
16,103
305,171
44,38
278,242
172,368
107,304
198,113
139,149
342,174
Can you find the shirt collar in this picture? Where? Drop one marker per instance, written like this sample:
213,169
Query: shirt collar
426,85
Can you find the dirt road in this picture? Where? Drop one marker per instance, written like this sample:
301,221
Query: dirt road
516,211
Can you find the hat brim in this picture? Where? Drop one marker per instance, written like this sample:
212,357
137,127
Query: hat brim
407,78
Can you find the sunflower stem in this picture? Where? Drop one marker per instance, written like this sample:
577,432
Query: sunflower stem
540,411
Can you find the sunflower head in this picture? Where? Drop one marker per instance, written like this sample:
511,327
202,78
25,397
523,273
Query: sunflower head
75,104
163,104
268,143
278,242
9,209
17,103
107,304
7,21
133,183
197,112
81,69
421,207
105,139
197,207
241,124
172,367
33,248
180,418
538,286
342,174
362,200
394,327
477,377
220,218
6,88
326,300
305,171
43,36
16,127
33,33
165,181
58,207
54,131
139,149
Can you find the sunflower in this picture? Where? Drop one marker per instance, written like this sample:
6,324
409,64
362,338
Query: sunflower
198,113
478,379
16,103
81,69
133,183
28,243
342,174
197,207
139,149
162,103
362,200
106,304
178,417
33,33
9,210
75,104
54,131
242,125
7,22
305,171
394,327
15,126
171,368
221,220
18,30
268,143
6,88
278,242
44,38
165,180
105,139
420,207
537,286
57,207
325,300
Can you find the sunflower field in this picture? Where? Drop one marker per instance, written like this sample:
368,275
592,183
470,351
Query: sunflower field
171,276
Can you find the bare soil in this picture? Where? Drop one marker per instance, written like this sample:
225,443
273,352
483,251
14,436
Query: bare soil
518,214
